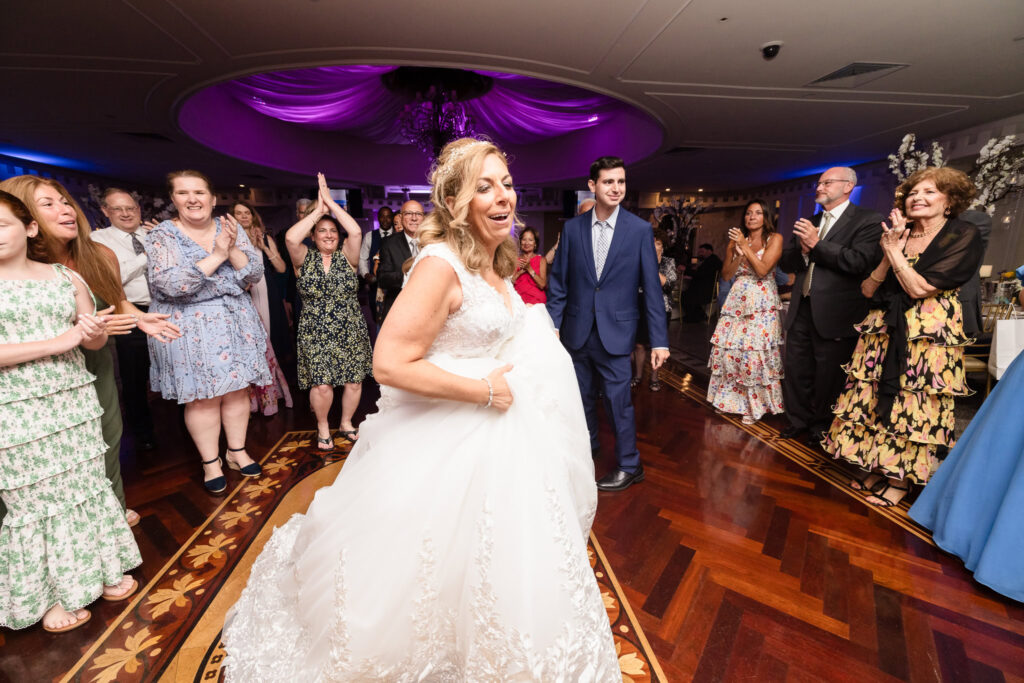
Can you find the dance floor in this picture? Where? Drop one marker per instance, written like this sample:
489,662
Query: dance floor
741,557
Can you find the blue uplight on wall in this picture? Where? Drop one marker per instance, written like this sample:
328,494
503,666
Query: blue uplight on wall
43,158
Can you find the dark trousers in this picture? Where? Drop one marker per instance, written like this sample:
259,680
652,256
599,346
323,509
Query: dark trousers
598,369
814,373
133,365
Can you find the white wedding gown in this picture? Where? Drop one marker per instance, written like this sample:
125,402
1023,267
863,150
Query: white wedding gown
452,546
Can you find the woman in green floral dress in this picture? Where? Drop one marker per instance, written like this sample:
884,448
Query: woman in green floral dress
333,342
894,419
64,542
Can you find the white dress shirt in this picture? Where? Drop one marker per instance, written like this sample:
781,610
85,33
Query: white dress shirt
133,266
365,267
611,225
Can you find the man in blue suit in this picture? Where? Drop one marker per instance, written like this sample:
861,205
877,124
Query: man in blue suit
605,257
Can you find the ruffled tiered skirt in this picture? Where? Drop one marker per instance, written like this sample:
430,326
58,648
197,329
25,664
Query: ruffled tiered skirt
919,429
745,363
64,536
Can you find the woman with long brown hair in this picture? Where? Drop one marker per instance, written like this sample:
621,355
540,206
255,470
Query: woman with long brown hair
64,239
746,366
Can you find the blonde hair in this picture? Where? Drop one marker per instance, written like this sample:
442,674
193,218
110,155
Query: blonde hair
88,257
454,176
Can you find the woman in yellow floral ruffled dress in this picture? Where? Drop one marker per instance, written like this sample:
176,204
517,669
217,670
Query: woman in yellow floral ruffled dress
894,419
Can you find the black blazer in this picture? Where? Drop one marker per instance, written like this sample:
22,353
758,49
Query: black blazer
394,251
842,260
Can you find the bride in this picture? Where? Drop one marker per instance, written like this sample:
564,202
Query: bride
452,546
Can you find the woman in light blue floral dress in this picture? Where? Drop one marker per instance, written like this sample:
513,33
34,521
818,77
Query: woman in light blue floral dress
64,542
199,268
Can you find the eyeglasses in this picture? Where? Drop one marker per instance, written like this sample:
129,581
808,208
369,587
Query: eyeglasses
826,183
413,214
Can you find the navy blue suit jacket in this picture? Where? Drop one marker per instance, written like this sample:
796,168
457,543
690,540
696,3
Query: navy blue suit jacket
577,299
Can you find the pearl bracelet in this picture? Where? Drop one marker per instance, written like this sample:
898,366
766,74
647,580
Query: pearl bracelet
490,392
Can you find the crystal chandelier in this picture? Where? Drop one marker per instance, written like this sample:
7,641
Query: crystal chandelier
436,113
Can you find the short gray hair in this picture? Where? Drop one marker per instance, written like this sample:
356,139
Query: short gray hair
303,203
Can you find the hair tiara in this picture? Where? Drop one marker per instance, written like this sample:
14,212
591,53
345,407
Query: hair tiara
443,172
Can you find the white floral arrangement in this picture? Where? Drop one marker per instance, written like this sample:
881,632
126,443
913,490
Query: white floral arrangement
908,159
998,170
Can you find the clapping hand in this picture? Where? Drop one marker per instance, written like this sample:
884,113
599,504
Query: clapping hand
115,323
891,237
808,234
325,194
156,326
225,240
89,327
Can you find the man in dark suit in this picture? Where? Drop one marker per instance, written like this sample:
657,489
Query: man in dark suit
970,292
702,278
831,255
395,251
604,257
368,256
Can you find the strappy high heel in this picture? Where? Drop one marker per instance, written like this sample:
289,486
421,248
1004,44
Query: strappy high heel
217,484
253,469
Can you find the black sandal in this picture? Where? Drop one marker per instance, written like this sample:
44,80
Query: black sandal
324,443
884,502
859,481
350,434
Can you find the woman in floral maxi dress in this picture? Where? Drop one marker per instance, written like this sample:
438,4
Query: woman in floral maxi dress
64,542
895,419
746,367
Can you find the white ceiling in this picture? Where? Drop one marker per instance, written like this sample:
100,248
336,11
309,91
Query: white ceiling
79,75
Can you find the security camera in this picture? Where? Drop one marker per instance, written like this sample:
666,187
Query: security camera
771,50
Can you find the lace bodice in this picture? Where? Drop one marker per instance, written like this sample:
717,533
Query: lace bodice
483,322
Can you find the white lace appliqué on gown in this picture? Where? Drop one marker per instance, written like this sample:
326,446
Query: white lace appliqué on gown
452,546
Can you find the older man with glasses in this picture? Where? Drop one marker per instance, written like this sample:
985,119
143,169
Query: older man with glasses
394,251
831,254
125,237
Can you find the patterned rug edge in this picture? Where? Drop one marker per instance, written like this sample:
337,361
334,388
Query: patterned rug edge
147,636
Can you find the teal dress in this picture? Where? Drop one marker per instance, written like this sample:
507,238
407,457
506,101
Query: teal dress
64,536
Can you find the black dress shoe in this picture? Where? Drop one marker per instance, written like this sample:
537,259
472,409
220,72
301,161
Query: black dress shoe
814,439
619,480
790,432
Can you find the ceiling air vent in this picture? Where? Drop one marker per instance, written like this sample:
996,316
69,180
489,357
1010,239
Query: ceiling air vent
145,135
856,74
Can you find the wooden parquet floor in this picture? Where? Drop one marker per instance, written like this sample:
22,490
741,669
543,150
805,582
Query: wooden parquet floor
742,561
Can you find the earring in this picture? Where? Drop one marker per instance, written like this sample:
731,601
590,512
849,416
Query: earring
946,212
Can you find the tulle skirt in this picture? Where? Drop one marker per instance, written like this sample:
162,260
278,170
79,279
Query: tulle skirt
451,547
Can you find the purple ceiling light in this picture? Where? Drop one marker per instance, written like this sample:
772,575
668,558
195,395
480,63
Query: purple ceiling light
367,123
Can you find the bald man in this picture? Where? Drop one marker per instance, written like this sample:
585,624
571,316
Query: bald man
831,253
395,251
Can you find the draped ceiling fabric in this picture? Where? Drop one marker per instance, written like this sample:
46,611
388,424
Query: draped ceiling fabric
517,110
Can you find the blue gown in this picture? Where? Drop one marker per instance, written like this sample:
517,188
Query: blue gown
974,504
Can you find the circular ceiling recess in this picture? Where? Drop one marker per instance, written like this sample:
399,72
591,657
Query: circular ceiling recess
382,124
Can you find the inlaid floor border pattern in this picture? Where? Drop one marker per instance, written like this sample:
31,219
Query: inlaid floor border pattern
682,379
146,636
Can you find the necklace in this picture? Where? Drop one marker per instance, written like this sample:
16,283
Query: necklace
930,231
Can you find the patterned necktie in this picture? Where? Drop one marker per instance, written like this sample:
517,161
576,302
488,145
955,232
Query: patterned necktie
826,223
137,245
603,240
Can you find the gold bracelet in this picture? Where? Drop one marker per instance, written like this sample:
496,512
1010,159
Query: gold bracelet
872,277
900,269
